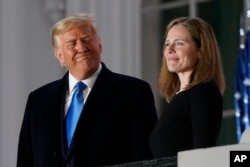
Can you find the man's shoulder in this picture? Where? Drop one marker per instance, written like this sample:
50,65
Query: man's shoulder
49,87
129,78
123,78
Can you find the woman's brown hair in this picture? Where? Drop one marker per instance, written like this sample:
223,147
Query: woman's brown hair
208,67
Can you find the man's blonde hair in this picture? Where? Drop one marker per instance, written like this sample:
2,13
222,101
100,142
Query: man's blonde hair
66,24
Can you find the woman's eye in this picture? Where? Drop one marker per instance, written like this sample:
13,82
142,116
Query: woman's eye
166,44
178,43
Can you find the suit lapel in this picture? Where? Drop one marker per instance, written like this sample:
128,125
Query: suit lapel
97,99
56,119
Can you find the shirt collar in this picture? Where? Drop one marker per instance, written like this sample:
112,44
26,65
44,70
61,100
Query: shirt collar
89,81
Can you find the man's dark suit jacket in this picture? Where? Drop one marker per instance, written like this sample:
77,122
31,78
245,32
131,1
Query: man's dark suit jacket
113,128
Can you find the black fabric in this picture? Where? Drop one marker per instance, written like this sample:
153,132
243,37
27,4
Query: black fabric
191,120
113,128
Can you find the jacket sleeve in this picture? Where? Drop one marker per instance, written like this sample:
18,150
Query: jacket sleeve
206,115
145,118
24,154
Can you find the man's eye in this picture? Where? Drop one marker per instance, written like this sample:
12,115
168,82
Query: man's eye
70,44
87,39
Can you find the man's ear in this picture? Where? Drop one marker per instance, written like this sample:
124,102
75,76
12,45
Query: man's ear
59,56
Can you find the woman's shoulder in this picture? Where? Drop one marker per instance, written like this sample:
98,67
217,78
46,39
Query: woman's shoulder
206,89
206,86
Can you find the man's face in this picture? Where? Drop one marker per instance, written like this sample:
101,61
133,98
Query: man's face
80,50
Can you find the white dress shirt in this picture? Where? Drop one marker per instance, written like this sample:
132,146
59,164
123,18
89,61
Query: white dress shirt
72,82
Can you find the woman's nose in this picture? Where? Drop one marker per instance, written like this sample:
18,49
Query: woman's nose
170,48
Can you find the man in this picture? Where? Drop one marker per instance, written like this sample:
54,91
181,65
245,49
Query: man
114,122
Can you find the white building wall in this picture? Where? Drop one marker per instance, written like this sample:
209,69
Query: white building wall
26,62
118,23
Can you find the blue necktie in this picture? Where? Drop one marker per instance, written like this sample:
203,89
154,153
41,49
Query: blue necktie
74,111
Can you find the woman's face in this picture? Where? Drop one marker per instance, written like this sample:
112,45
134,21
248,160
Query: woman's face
180,51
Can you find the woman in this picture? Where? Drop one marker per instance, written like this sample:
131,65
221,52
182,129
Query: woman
192,82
